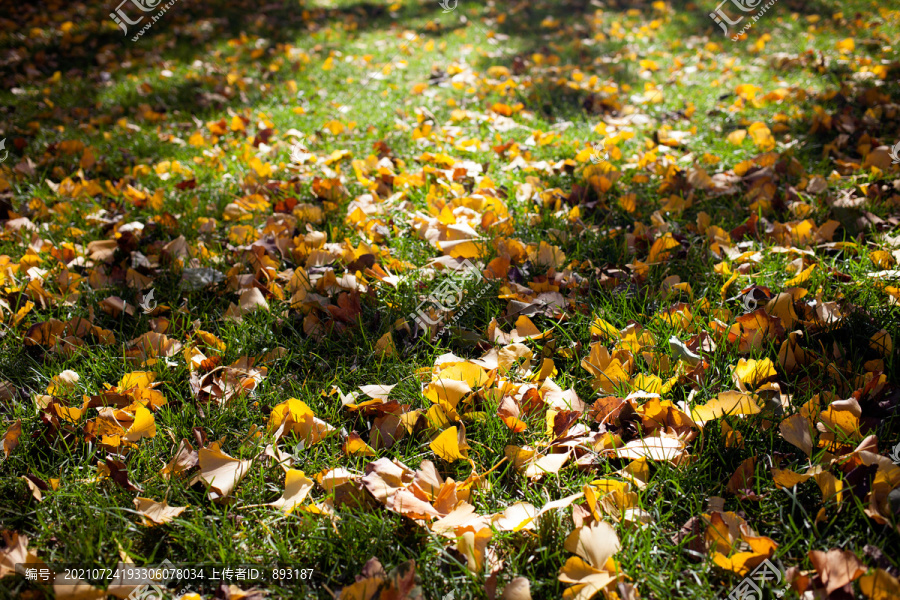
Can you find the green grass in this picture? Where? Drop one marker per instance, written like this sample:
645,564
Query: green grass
213,73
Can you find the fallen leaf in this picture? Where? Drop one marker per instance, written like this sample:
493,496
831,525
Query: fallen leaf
10,438
836,568
450,445
796,430
726,403
220,472
880,585
156,513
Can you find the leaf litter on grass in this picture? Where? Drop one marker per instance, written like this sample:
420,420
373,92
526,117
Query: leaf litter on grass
684,271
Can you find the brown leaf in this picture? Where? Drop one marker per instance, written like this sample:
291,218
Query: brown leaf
220,472
517,589
10,439
185,459
386,431
693,530
116,470
7,391
402,583
367,584
743,478
796,430
836,568
563,420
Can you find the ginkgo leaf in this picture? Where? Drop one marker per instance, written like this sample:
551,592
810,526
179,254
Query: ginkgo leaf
737,137
750,374
354,445
144,425
516,517
473,375
836,567
595,543
801,277
509,412
220,472
10,439
762,136
797,430
880,585
548,464
296,488
377,392
16,552
450,445
447,392
156,513
726,403
517,589
682,352
654,448
385,347
472,544
185,459
294,416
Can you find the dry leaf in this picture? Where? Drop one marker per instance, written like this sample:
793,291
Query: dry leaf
156,513
10,439
220,472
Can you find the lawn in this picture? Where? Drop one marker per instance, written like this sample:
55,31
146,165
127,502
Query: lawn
449,300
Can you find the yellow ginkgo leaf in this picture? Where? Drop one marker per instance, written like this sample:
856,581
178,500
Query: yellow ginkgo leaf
473,375
385,347
737,137
449,446
762,136
137,379
296,488
294,416
662,248
801,277
197,139
750,374
880,585
726,403
846,45
356,446
144,425
447,393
